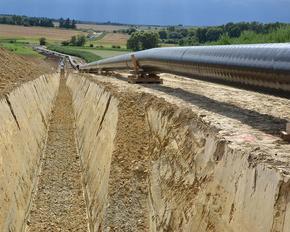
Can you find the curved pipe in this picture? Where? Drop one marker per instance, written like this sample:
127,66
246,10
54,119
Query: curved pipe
266,65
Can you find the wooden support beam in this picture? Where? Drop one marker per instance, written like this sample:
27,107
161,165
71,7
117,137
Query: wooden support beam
139,75
286,134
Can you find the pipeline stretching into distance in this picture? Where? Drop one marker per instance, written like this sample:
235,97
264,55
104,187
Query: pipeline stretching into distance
263,65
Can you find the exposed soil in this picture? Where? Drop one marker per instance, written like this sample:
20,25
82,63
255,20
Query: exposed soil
11,31
242,120
247,119
15,70
128,176
59,203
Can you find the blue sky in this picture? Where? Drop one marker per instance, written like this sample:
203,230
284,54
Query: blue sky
165,12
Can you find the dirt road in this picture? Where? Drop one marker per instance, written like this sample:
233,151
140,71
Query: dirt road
59,203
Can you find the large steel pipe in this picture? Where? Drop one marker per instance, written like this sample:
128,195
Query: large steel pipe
266,65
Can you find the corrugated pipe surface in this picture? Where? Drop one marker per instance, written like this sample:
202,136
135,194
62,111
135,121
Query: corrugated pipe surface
266,65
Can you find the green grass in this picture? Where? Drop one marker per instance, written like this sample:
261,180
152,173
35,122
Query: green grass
88,53
106,53
107,48
19,47
106,45
75,51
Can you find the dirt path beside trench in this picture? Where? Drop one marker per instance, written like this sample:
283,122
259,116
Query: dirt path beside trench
59,203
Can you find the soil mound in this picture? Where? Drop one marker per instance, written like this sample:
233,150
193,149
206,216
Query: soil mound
15,70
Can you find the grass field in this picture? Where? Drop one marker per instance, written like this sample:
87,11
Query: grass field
19,47
74,51
87,53
34,33
104,52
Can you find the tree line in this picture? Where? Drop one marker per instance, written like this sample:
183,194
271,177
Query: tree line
67,23
244,32
37,21
26,21
78,40
202,35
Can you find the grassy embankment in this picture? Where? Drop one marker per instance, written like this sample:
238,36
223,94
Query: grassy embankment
19,46
86,55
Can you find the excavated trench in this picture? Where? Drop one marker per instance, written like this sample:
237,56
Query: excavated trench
59,203
92,153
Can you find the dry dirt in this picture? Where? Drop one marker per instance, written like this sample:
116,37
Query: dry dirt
244,117
12,31
15,70
129,166
59,203
248,121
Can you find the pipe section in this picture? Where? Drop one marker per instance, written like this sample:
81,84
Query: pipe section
265,65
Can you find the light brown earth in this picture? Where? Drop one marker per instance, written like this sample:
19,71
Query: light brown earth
55,34
242,116
15,70
187,155
59,203
194,121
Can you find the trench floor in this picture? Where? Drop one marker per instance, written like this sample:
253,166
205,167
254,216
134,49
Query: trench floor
59,203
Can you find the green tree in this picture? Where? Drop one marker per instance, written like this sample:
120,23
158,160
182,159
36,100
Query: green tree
149,40
171,28
61,22
73,40
143,40
67,23
134,42
163,34
74,24
81,40
131,30
65,43
224,40
42,41
201,35
234,31
213,34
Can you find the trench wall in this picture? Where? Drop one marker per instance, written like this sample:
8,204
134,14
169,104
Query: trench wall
186,177
24,117
200,182
96,117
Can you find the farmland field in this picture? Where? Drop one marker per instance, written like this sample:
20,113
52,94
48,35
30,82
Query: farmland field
53,34
106,28
115,39
107,40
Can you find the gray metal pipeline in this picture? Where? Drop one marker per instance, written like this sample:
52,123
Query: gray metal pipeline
265,65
